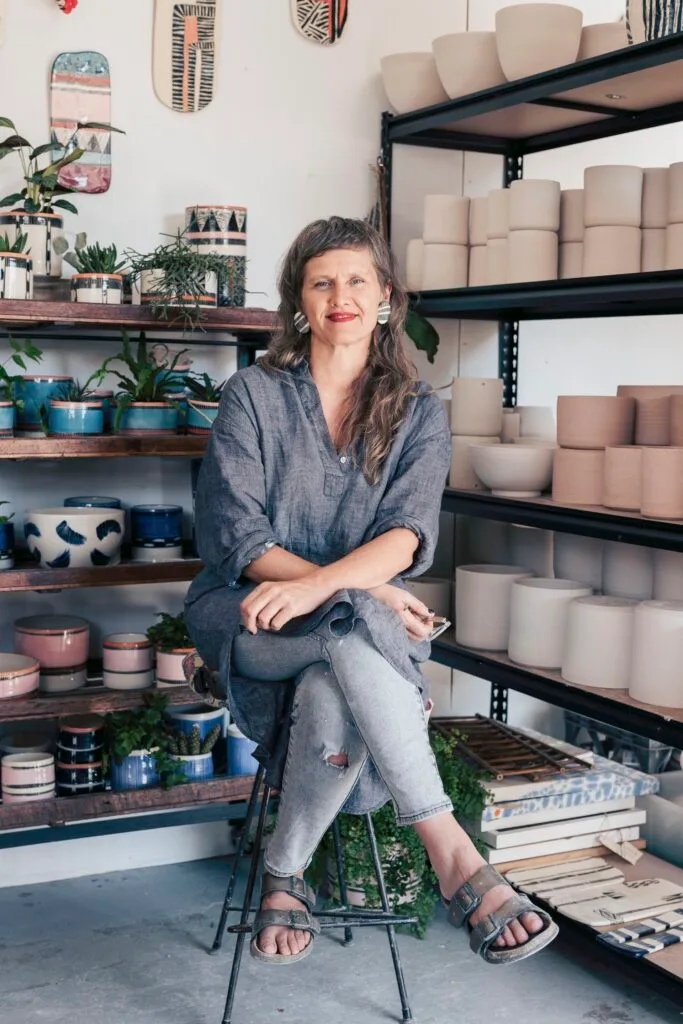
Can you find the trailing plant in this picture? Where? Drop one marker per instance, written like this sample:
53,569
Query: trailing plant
192,745
144,728
18,245
204,388
42,183
144,381
95,259
171,633
5,519
21,351
407,870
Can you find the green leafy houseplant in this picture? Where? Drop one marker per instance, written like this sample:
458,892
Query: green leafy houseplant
144,381
42,183
3,518
74,391
18,245
95,259
204,388
21,351
407,870
193,746
171,633
144,728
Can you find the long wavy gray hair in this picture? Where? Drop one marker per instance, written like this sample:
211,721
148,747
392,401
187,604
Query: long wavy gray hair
376,403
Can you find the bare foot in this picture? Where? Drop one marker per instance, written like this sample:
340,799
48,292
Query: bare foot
285,941
464,866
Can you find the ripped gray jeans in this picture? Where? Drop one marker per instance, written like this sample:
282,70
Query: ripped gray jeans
349,701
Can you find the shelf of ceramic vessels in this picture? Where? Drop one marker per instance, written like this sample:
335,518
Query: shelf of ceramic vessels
605,705
27,576
109,446
594,521
614,93
100,701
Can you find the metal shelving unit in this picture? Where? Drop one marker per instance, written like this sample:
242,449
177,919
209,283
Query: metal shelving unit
613,94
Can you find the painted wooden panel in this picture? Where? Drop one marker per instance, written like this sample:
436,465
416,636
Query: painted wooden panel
185,54
81,91
321,21
653,19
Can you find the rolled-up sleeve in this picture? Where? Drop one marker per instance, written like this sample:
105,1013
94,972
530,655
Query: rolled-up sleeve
231,524
412,499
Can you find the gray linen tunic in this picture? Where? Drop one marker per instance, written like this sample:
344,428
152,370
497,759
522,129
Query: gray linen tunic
272,476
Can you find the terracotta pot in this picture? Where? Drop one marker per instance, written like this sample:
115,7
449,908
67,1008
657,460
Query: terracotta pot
676,421
614,196
578,558
587,421
577,477
532,548
532,256
538,620
622,486
537,421
514,470
497,261
674,247
444,266
571,215
534,205
411,81
467,62
653,250
571,259
478,269
662,483
414,264
533,38
512,422
498,213
657,654
675,205
653,421
432,591
603,38
477,406
446,219
479,214
627,571
611,250
655,210
482,605
598,642
668,579
462,475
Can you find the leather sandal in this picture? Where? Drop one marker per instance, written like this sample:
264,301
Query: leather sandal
296,920
483,934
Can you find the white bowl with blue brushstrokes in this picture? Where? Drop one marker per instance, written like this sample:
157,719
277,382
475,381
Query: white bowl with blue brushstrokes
75,538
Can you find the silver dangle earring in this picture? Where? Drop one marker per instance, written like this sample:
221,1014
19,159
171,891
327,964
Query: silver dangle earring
301,323
384,312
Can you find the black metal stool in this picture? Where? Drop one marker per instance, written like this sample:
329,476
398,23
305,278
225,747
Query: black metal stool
345,917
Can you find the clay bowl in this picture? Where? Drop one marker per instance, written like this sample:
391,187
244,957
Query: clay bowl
533,38
19,675
592,422
514,470
411,81
467,62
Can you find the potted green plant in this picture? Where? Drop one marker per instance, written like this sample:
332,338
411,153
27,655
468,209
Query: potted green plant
192,754
34,206
75,410
6,539
142,404
176,281
11,383
139,747
16,279
99,274
202,403
173,643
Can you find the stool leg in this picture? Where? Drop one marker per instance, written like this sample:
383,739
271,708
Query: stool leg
339,856
239,853
246,907
398,969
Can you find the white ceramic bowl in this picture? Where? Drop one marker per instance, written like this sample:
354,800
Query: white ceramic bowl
75,538
411,81
514,470
18,675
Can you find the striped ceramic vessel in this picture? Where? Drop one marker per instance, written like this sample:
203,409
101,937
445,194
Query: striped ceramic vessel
222,230
7,416
104,289
151,291
43,229
653,19
16,275
75,419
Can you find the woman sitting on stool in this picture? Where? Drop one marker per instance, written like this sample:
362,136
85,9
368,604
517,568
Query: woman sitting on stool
320,490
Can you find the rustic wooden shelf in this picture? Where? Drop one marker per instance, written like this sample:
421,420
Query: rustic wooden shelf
110,446
228,320
25,709
30,577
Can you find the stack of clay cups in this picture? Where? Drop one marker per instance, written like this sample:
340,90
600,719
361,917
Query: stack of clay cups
655,220
534,223
497,230
445,253
613,211
478,268
586,426
674,229
128,661
476,418
571,232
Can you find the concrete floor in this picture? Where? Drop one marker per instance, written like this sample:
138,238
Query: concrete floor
131,947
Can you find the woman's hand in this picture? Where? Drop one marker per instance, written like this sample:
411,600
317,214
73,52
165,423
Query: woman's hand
271,605
415,616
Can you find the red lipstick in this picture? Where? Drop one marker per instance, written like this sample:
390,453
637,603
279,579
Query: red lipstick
341,318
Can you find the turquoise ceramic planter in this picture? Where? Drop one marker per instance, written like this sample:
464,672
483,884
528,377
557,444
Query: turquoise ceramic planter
148,418
7,415
179,399
107,399
75,419
201,416
36,392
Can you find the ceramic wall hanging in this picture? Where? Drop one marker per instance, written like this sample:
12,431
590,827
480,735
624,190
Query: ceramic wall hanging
627,571
538,620
653,19
321,21
533,38
80,91
185,58
657,654
411,81
482,604
467,62
222,230
598,643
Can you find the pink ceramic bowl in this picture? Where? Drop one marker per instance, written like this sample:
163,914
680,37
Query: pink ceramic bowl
18,675
127,652
55,641
27,794
21,771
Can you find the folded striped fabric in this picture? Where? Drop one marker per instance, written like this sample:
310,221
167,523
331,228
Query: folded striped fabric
638,939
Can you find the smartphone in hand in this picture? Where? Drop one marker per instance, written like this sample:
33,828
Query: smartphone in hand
440,626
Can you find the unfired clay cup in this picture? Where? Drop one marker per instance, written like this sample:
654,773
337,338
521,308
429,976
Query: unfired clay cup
414,264
467,62
444,266
482,604
462,475
478,270
613,196
588,421
602,38
532,256
653,250
657,654
571,215
497,261
533,38
577,476
655,197
622,485
571,260
611,250
477,406
498,213
411,81
538,620
446,219
662,481
479,214
534,205
597,649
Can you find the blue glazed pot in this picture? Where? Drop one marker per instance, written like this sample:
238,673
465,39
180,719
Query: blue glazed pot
107,399
201,416
156,526
186,717
195,767
75,419
179,398
240,750
7,414
6,545
137,771
149,418
92,501
36,392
